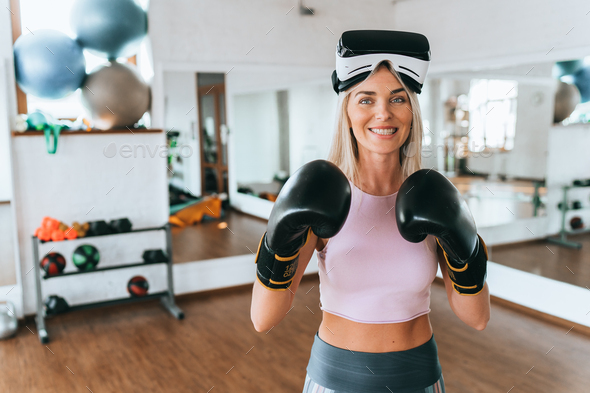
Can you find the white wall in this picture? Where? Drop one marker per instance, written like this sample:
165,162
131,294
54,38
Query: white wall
181,114
261,32
528,158
312,113
461,32
489,34
256,136
5,176
79,183
10,276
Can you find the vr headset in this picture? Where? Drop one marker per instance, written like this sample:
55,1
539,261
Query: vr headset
359,51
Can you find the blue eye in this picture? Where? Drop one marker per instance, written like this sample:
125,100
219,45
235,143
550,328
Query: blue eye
397,100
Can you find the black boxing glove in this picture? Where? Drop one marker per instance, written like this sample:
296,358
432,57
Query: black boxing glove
429,204
316,198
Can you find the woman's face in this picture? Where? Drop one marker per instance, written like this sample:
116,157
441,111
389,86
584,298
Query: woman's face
380,113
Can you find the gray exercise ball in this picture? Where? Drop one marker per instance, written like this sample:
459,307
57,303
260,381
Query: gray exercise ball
48,64
115,95
567,97
109,28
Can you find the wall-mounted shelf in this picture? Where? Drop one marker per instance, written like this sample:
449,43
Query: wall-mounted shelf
563,232
101,269
92,132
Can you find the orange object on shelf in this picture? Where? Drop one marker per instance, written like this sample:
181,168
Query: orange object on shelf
54,230
268,196
71,234
57,235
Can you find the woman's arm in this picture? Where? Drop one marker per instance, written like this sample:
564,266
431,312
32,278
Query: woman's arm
473,310
268,307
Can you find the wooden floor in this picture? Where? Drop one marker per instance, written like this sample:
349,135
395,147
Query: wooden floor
548,260
140,348
238,234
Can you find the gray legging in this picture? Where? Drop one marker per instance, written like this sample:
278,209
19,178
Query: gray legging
337,370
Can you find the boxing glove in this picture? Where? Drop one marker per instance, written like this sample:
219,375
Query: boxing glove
316,198
429,204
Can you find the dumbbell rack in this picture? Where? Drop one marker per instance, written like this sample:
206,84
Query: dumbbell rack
563,232
166,297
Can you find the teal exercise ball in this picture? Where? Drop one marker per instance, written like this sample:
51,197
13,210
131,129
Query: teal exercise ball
570,67
109,28
48,64
582,82
116,95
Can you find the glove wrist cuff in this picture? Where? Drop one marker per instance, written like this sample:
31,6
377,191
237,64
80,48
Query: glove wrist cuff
469,278
274,272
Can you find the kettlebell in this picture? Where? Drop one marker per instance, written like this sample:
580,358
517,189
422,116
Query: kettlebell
8,322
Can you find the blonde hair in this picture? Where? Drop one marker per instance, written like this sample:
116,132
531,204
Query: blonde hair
344,149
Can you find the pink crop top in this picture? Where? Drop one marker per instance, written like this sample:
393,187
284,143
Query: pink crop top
369,273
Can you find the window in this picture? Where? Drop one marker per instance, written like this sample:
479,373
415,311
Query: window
492,114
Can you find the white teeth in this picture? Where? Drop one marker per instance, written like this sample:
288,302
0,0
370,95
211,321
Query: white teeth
383,131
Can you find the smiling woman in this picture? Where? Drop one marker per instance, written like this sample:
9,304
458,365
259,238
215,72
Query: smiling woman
380,116
375,309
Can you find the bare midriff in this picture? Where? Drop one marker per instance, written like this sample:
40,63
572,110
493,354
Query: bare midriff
367,337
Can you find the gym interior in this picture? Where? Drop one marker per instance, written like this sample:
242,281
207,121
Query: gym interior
136,184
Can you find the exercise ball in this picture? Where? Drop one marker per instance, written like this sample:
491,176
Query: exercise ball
138,286
86,257
567,97
109,28
48,64
569,67
582,81
115,95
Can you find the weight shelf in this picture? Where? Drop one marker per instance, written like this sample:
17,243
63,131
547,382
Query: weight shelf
576,231
166,297
101,269
569,209
108,234
123,300
561,238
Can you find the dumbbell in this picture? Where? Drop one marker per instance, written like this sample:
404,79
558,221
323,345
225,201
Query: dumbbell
154,256
120,225
55,304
